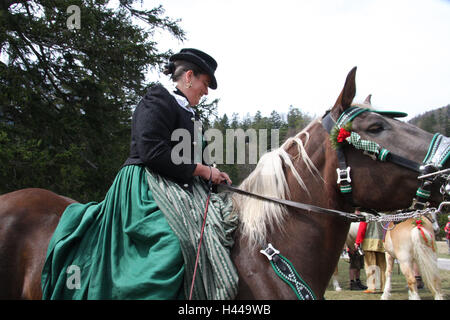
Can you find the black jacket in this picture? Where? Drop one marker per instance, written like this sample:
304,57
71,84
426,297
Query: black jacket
155,118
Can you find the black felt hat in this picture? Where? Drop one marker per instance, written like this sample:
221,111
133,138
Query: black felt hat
201,59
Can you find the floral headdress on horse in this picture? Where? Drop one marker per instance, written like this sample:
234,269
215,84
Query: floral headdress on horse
342,132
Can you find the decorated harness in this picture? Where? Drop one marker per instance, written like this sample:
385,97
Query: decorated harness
341,134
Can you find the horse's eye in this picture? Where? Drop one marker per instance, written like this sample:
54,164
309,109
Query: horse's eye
375,128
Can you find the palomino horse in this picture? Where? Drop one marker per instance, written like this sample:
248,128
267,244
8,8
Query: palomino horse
303,169
413,242
417,248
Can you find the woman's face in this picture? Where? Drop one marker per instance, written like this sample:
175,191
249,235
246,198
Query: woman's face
198,89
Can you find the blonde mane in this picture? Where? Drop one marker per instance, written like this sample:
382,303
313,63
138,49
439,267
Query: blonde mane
268,179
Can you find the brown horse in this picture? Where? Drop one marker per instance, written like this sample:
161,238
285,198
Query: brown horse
28,219
302,169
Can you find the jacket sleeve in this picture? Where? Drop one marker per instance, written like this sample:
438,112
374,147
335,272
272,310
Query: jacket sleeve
154,121
361,233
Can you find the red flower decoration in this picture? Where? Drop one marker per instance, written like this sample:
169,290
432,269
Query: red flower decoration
343,134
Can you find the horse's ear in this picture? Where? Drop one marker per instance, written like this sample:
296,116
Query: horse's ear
368,100
347,94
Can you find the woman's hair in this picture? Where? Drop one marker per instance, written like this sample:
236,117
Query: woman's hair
178,67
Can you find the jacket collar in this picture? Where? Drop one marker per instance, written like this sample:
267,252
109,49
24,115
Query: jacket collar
181,99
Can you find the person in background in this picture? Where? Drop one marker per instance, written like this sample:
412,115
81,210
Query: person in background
370,240
356,264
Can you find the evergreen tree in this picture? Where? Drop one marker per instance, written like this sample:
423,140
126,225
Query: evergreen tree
67,90
257,119
223,123
246,122
429,123
207,111
234,121
275,120
296,121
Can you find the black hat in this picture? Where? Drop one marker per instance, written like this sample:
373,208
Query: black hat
201,59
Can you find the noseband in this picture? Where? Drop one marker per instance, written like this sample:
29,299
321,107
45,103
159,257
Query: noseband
437,155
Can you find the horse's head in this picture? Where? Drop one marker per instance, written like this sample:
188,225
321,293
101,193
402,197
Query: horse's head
385,155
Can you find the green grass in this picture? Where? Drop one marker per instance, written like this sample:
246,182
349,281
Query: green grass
399,290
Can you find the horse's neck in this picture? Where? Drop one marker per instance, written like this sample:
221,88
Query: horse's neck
323,190
316,240
311,241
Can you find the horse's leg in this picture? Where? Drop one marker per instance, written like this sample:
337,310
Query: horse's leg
408,271
336,285
437,285
387,286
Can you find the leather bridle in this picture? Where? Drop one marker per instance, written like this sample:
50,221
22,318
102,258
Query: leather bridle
437,155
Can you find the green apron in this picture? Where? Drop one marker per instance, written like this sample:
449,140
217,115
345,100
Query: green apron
120,248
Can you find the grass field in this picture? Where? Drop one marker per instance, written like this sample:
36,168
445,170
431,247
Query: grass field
399,289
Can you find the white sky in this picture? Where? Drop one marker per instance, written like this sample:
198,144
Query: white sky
273,54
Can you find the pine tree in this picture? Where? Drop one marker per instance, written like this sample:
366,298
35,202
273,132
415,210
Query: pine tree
67,90
296,121
234,120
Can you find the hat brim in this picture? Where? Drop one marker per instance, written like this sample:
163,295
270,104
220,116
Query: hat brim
200,63
391,114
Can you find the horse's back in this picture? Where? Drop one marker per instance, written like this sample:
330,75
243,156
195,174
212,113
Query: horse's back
28,218
398,240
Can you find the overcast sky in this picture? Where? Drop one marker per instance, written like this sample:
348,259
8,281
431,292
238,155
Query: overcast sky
273,54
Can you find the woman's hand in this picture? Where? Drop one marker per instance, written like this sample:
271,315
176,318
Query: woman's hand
216,175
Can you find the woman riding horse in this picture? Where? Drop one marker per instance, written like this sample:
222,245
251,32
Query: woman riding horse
124,247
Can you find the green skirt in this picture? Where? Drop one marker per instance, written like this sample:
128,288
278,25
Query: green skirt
120,248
